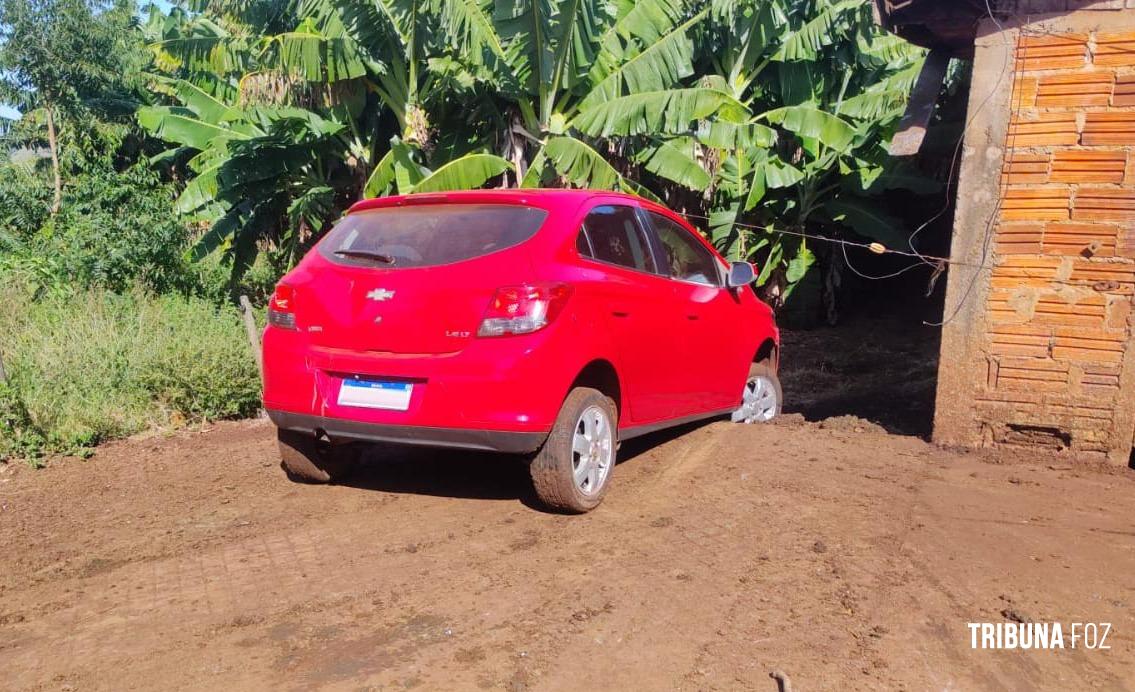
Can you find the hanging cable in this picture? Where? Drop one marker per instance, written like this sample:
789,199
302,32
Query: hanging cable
937,263
875,247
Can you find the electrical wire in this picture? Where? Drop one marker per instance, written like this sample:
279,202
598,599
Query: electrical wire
875,248
847,261
938,263
987,236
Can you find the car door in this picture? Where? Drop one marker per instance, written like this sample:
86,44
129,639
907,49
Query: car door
622,271
715,359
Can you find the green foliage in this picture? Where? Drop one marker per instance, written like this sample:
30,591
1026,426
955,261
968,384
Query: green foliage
277,116
767,111
469,171
91,365
73,69
65,54
267,108
19,437
25,197
110,326
116,230
281,119
833,86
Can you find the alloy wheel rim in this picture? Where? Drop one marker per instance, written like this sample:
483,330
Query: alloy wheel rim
592,450
758,401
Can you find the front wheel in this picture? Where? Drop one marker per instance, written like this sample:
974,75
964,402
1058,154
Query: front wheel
572,469
762,397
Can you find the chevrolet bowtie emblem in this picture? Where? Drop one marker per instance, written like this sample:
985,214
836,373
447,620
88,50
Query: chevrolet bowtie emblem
380,294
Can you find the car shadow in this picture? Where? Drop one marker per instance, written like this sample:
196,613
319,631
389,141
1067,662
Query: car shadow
469,474
443,473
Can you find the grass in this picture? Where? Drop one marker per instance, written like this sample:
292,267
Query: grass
88,366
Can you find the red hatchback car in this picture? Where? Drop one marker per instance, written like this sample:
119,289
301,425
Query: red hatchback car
551,323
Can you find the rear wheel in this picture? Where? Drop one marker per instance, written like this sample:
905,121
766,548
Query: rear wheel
308,460
762,397
571,471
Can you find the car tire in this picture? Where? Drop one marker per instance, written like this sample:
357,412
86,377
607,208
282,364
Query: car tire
306,459
566,478
762,397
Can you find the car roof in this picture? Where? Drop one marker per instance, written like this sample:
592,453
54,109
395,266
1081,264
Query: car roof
541,196
547,198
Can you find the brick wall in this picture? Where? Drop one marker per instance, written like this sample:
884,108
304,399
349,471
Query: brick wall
1059,298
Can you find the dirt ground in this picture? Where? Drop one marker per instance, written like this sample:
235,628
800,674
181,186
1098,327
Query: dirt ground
846,556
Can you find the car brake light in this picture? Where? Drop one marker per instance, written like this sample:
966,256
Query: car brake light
281,309
523,309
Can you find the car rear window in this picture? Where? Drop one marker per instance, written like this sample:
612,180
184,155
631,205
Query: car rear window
430,234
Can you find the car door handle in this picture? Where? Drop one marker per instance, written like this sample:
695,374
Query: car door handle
692,317
620,313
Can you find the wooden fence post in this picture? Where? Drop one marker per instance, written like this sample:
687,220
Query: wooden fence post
253,334
253,340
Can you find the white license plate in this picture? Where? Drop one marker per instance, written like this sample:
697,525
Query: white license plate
394,396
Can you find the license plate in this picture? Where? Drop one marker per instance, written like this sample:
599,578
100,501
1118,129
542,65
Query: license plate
394,396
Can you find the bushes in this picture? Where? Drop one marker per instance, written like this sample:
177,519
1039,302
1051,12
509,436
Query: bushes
107,327
92,365
18,436
115,230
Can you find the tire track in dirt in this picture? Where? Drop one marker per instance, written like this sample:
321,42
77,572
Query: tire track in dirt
744,620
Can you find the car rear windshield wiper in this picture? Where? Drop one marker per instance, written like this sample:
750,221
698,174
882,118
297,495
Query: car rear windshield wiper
364,254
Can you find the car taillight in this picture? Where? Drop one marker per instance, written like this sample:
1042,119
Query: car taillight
281,310
523,309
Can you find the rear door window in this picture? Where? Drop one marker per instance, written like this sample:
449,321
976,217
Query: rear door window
429,234
615,236
687,259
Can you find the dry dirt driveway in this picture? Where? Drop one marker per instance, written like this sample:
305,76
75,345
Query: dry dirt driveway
848,559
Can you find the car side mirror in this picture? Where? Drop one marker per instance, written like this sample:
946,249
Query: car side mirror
741,274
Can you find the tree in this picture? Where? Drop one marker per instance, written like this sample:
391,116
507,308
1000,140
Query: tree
63,60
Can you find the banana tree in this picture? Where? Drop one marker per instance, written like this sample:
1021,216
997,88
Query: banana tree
825,88
258,172
749,111
277,174
614,77
275,55
569,82
277,121
559,78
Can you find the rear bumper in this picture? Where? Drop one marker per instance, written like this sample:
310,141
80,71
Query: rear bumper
510,384
460,438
